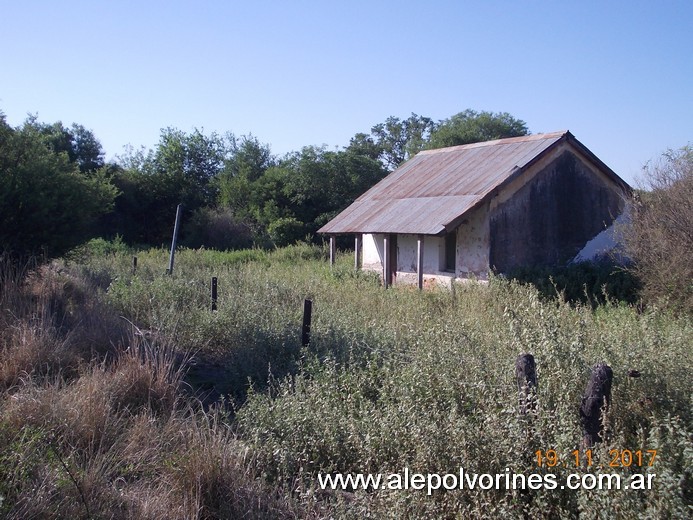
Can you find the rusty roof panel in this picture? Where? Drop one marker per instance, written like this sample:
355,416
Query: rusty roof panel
436,187
399,215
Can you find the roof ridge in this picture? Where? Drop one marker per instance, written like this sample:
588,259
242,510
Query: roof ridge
494,142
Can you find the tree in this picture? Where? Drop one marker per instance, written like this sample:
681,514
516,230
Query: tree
190,162
246,162
659,238
399,140
181,169
47,206
294,197
364,144
322,183
86,149
472,127
81,145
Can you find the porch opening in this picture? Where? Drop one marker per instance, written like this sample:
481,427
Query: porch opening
450,252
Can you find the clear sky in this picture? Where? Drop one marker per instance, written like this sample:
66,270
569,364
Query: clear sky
617,74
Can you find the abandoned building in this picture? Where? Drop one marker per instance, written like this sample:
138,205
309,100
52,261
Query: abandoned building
463,211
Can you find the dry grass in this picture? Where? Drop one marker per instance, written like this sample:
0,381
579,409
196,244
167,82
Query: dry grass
52,322
90,428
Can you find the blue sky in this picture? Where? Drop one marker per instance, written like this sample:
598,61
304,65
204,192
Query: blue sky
618,75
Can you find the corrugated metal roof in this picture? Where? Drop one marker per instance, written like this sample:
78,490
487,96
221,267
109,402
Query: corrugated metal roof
431,190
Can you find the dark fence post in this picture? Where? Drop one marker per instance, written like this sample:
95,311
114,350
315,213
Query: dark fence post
214,293
526,376
307,316
134,264
597,397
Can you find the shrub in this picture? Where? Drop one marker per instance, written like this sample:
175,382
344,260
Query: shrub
217,229
102,247
286,230
593,283
660,235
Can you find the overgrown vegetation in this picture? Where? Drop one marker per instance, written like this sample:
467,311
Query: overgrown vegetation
93,418
591,283
660,237
96,421
122,395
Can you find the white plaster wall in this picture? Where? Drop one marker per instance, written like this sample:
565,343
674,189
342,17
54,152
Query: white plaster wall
608,242
473,242
372,252
407,250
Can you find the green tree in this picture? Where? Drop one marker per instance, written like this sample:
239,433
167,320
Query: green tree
294,197
364,144
322,183
47,206
399,139
86,149
246,162
79,144
473,127
190,162
181,169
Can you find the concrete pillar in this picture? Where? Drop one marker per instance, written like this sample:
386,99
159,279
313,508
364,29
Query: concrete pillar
358,244
333,250
386,261
419,260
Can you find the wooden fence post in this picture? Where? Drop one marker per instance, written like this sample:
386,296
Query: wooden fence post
596,398
214,293
134,264
526,376
307,316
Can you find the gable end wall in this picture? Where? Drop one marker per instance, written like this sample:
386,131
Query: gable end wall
562,204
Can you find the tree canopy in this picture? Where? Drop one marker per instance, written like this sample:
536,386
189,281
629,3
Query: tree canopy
51,196
57,186
473,127
397,140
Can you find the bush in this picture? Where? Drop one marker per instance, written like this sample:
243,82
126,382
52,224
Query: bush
285,231
660,236
99,247
217,229
593,283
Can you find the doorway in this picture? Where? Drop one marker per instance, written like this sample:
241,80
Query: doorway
391,267
451,251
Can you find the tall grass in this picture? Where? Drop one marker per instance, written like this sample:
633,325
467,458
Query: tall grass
94,422
391,379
